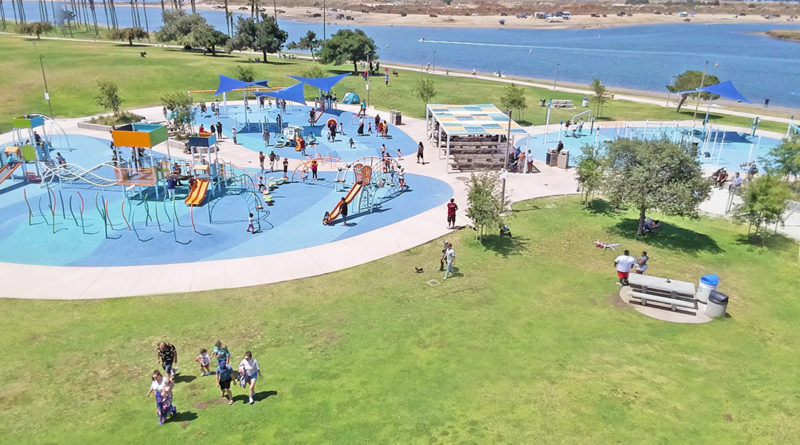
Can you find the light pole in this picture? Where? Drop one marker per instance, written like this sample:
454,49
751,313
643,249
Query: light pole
504,173
702,84
555,76
324,19
674,78
46,91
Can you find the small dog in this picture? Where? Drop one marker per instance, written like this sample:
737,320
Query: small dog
419,269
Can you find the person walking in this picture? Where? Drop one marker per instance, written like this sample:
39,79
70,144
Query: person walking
266,137
233,133
450,260
624,263
420,156
162,387
451,213
250,227
167,357
285,167
641,263
386,79
343,210
529,158
272,158
261,158
249,366
219,130
224,377
314,167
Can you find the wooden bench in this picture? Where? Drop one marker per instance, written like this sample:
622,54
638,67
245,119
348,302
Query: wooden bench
674,293
562,103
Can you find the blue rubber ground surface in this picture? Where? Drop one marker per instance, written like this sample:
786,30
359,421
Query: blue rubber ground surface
732,155
250,135
293,222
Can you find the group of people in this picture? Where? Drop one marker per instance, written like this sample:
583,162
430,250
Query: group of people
625,262
575,127
720,177
520,161
162,384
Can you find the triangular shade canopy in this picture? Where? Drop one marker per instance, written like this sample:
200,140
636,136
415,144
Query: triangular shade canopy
293,93
322,83
724,89
227,84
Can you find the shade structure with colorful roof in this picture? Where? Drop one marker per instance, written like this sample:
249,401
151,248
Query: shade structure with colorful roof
293,93
321,83
228,84
466,124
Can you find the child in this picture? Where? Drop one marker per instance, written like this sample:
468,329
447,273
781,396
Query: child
221,352
250,227
352,143
204,362
341,128
399,155
401,178
326,217
369,128
224,372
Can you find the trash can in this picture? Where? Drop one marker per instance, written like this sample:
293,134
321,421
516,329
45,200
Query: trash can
398,117
717,304
552,157
563,159
708,284
585,102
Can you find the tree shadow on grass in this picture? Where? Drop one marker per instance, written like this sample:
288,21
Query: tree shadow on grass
600,207
668,237
766,240
505,245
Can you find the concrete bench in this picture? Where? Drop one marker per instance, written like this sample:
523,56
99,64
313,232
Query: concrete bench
674,303
562,103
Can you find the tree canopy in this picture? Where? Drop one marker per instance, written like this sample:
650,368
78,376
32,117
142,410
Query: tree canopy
589,172
785,158
764,200
348,45
34,28
309,43
691,80
485,199
180,106
129,34
425,89
108,96
654,175
601,95
178,25
263,35
208,38
513,98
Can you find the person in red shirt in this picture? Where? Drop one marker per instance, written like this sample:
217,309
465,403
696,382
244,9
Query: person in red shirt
451,214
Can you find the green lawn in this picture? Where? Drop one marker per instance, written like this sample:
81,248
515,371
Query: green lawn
527,344
73,68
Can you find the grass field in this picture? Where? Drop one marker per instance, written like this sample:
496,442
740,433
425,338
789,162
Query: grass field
73,68
527,344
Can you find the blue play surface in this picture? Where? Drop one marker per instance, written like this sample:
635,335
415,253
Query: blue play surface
161,232
249,131
731,154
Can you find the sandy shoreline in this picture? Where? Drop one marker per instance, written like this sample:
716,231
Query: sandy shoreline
359,18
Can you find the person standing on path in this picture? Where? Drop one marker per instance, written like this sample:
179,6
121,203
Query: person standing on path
224,374
420,156
343,210
285,167
450,260
249,366
624,263
261,158
233,133
266,137
219,130
314,167
451,213
386,79
167,357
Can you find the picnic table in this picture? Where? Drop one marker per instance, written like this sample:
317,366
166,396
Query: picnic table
674,293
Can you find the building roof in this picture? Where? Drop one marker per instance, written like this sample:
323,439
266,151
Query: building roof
463,120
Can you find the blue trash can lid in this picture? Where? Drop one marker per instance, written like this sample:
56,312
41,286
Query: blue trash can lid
711,279
718,298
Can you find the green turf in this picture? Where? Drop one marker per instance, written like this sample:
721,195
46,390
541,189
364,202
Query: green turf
73,68
527,344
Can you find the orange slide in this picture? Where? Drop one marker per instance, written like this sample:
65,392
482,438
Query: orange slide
198,192
6,171
348,198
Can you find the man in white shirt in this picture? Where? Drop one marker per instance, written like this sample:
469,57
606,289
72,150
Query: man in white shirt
450,260
624,263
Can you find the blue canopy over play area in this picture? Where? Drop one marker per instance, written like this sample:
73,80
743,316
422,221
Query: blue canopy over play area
227,84
293,93
322,83
723,89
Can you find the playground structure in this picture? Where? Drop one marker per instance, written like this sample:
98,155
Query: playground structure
26,149
372,181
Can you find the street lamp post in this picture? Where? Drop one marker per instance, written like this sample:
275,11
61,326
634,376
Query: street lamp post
46,90
324,19
674,78
555,76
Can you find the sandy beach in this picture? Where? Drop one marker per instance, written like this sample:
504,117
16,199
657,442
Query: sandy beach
462,17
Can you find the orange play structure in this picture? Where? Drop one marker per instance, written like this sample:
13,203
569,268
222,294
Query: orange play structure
363,175
300,143
198,192
7,170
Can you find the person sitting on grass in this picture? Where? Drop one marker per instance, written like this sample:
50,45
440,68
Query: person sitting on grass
651,225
